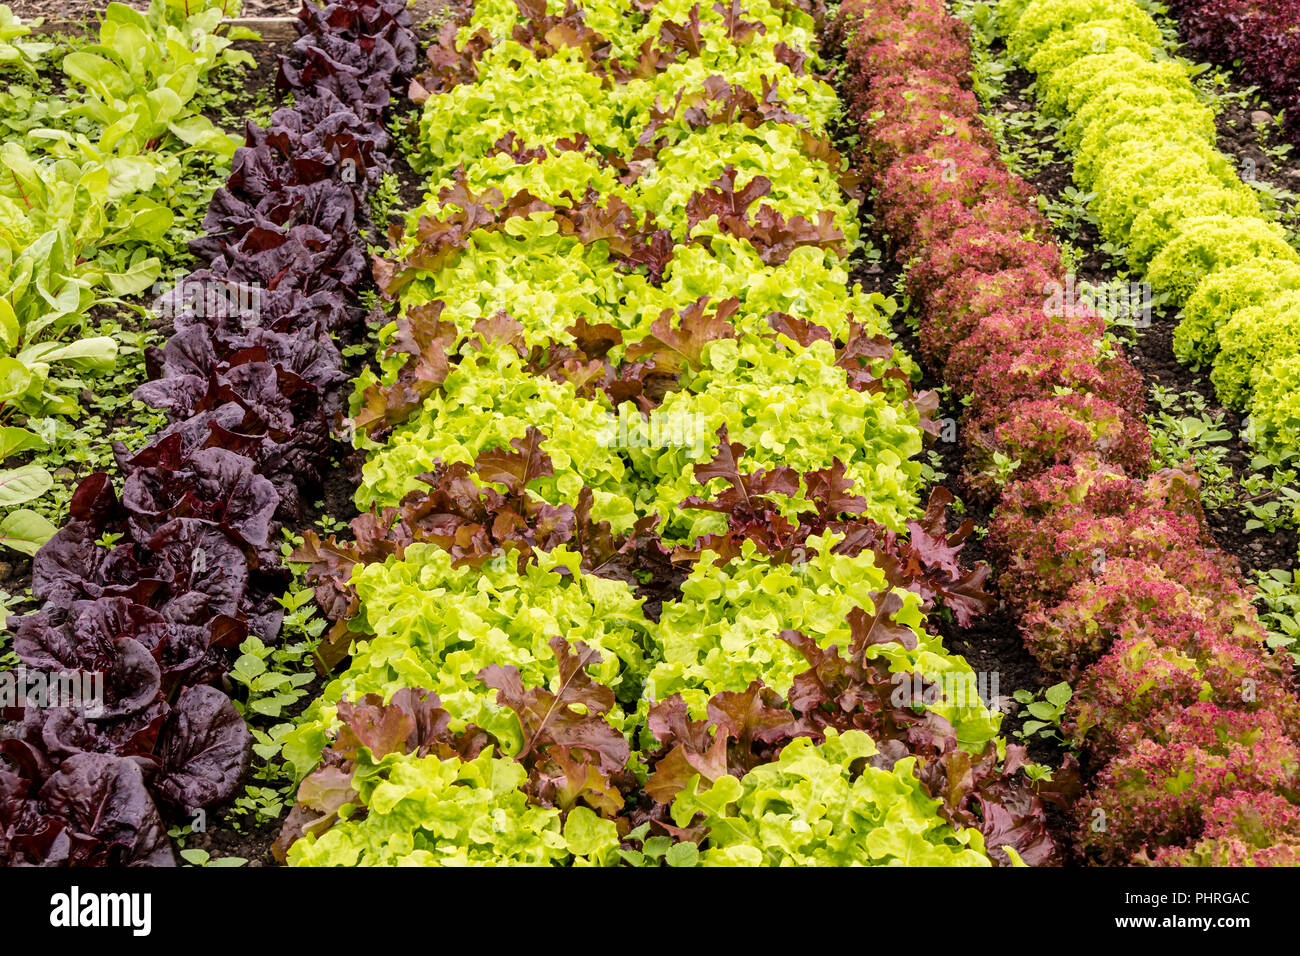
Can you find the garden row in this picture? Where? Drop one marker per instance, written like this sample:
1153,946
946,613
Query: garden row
149,589
1187,718
633,585
88,183
1262,38
1145,144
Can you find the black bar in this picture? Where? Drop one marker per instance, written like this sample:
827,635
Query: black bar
255,906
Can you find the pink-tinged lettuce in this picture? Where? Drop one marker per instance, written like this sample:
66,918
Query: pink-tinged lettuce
1145,681
1118,585
1155,794
1058,529
1042,433
1186,589
976,247
899,36
957,307
1003,334
1245,829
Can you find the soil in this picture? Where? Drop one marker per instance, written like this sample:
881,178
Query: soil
403,115
221,839
250,85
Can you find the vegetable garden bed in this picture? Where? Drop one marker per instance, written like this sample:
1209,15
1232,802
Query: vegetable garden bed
641,433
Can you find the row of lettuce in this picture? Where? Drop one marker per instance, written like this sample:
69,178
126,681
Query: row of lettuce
147,589
89,178
1144,143
1259,37
643,573
1188,720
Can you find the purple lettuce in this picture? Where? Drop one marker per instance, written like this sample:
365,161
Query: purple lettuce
147,594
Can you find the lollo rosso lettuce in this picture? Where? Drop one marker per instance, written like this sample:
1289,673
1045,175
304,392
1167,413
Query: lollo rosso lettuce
1109,567
1246,829
1155,793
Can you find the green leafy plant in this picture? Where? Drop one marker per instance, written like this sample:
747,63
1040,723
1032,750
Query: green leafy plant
273,676
640,849
197,857
1184,427
824,805
86,198
270,691
1046,709
1279,608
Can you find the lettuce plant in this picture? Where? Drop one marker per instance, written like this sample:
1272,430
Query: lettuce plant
1246,829
154,587
635,221
427,811
1108,566
1146,147
1127,598
808,808
1156,793
1260,37
1253,283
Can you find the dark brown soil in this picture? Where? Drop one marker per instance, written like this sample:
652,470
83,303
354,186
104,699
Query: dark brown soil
249,85
1245,140
221,839
404,117
15,575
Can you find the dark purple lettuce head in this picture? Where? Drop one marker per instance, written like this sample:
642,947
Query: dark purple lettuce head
93,644
203,751
95,810
212,483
